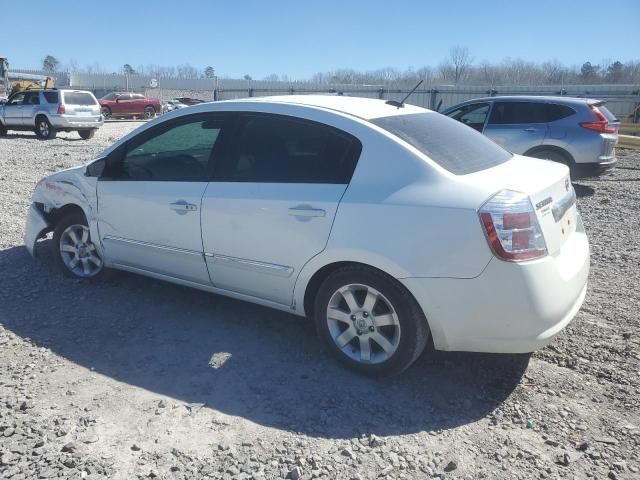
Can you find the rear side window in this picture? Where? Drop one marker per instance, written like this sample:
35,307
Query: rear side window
79,98
449,143
51,97
281,149
32,98
554,112
504,113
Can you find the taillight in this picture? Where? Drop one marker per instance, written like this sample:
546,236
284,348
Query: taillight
601,125
61,109
512,228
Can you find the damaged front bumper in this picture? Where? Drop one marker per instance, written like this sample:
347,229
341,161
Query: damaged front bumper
36,226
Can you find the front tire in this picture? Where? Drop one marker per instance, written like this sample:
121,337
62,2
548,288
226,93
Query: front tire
73,250
44,129
3,130
369,321
86,134
106,113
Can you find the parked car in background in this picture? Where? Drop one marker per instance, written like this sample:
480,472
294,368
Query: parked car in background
578,132
173,104
125,104
49,111
387,225
189,101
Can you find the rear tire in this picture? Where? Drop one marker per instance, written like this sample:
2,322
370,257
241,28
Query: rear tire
149,112
369,321
3,130
86,134
44,129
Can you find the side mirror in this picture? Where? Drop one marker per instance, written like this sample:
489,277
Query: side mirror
96,168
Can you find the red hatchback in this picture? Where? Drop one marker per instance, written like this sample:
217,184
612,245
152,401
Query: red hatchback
125,104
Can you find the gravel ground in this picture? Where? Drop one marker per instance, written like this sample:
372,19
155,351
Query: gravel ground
137,378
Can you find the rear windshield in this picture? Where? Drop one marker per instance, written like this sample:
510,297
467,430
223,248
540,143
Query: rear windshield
75,98
452,145
605,111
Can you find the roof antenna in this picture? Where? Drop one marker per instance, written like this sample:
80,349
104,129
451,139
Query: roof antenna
400,104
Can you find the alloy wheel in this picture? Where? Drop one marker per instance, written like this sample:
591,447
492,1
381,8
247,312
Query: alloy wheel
363,324
78,253
43,128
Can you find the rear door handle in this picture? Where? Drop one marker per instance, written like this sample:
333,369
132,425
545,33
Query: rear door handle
530,130
182,206
307,211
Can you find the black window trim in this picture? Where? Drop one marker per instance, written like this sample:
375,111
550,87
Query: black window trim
240,117
532,102
117,155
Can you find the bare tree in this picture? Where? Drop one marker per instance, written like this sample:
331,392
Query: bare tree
554,72
460,62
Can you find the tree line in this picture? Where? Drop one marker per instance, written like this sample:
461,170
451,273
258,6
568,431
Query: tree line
459,68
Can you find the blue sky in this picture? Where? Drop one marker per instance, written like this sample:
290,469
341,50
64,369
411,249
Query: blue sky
299,38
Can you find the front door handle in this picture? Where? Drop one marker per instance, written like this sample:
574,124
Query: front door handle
306,211
530,130
182,206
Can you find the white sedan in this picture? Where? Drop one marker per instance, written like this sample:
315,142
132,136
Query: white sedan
391,226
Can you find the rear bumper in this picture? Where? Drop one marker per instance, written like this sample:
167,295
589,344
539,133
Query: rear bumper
509,308
76,123
597,167
36,225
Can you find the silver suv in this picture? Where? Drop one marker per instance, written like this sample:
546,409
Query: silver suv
578,132
48,111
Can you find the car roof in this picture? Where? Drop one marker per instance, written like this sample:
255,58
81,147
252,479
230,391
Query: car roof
365,108
535,98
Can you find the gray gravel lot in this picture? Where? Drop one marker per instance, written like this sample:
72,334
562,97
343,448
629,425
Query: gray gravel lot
136,378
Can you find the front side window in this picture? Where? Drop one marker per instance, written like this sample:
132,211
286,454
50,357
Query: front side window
109,96
180,152
447,142
16,99
280,149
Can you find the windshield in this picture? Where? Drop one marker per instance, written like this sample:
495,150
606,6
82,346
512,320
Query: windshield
452,145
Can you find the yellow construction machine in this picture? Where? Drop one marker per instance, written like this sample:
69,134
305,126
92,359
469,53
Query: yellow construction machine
11,82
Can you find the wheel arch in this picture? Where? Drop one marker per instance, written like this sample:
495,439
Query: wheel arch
56,214
551,148
314,273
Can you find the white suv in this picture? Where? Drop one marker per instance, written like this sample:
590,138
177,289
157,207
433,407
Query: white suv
388,226
48,111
